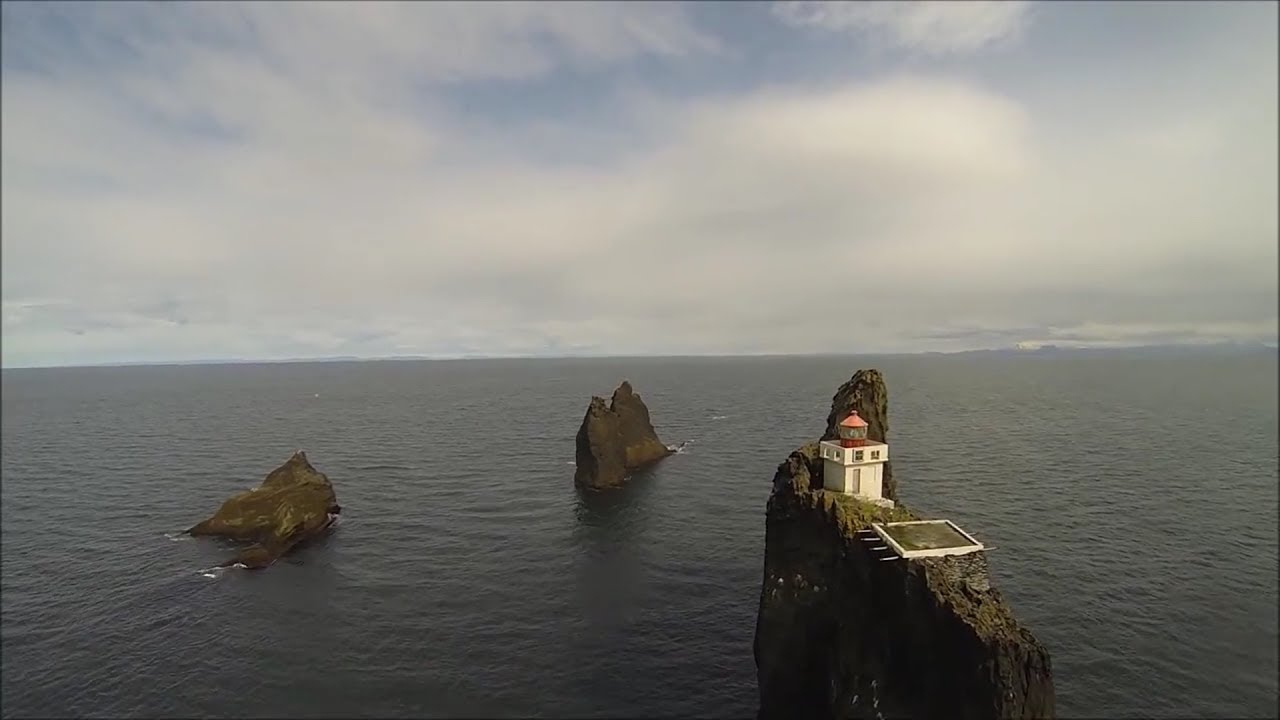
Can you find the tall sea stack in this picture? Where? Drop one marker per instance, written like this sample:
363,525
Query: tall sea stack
616,440
842,634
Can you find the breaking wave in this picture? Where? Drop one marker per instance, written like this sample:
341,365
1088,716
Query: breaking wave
219,570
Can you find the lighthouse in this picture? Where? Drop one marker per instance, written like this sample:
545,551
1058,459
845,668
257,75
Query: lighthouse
853,464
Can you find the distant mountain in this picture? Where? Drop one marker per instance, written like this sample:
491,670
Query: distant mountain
228,361
1169,348
1021,349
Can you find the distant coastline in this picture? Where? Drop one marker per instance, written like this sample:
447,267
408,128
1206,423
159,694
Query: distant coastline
1182,348
1021,349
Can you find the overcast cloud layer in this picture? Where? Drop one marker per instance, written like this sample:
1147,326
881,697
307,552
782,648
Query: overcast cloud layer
288,179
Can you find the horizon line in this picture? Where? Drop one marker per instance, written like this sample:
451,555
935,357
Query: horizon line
1041,350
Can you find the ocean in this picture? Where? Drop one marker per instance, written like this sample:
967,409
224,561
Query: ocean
1131,498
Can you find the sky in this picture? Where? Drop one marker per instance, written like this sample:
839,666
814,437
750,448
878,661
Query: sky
283,180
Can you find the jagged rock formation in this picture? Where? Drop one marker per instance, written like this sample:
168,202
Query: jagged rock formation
295,502
617,440
841,634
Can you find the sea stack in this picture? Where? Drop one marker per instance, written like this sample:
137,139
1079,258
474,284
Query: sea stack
294,503
853,625
616,440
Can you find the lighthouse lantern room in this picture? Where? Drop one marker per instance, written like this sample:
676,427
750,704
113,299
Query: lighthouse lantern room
854,464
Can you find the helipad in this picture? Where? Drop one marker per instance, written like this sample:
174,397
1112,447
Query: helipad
926,538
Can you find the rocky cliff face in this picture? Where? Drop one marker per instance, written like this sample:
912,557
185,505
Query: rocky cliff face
295,502
616,440
842,634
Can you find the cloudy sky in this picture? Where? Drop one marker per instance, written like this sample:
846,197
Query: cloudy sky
287,179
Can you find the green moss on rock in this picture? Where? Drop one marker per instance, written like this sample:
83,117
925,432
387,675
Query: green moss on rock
294,503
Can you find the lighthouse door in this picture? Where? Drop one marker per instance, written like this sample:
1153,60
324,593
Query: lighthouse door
853,484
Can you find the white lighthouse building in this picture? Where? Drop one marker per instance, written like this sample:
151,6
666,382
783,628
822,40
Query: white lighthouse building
853,464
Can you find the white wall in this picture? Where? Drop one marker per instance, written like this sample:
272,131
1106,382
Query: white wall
873,480
865,479
831,451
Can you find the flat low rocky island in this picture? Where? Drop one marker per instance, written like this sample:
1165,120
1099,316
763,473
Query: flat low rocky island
294,503
616,440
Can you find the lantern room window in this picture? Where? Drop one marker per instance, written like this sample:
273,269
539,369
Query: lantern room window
853,433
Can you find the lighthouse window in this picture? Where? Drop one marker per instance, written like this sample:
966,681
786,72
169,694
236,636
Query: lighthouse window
875,454
857,455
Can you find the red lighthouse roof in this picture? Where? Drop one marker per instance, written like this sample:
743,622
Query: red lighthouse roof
853,421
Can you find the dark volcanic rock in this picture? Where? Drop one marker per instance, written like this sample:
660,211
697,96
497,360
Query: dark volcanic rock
617,440
841,634
294,503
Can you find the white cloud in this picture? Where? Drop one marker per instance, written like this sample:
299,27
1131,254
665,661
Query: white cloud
346,208
935,28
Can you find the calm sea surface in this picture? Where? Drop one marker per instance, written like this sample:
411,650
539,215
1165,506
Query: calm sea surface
1132,499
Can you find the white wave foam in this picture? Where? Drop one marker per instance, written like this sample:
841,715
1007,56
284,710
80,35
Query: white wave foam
177,537
680,448
719,417
572,463
217,572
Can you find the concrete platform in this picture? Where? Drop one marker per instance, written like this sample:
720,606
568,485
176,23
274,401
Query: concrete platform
926,538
